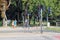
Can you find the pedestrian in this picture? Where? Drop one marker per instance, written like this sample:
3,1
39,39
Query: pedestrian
26,22
13,23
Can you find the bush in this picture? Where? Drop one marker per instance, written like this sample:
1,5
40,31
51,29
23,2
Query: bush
53,23
0,23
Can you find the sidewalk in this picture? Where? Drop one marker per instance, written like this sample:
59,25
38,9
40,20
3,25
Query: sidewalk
23,30
19,29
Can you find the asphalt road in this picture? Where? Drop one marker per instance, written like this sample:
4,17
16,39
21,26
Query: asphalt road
26,36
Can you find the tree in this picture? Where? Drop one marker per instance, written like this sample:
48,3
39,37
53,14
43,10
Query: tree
33,7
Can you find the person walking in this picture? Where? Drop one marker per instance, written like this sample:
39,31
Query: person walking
13,23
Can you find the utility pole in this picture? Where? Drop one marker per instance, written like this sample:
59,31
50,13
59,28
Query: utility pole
40,11
41,22
48,17
41,18
28,19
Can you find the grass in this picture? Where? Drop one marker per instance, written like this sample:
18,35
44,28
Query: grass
57,29
0,23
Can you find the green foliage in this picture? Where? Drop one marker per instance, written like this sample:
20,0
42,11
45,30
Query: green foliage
54,4
0,23
54,29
